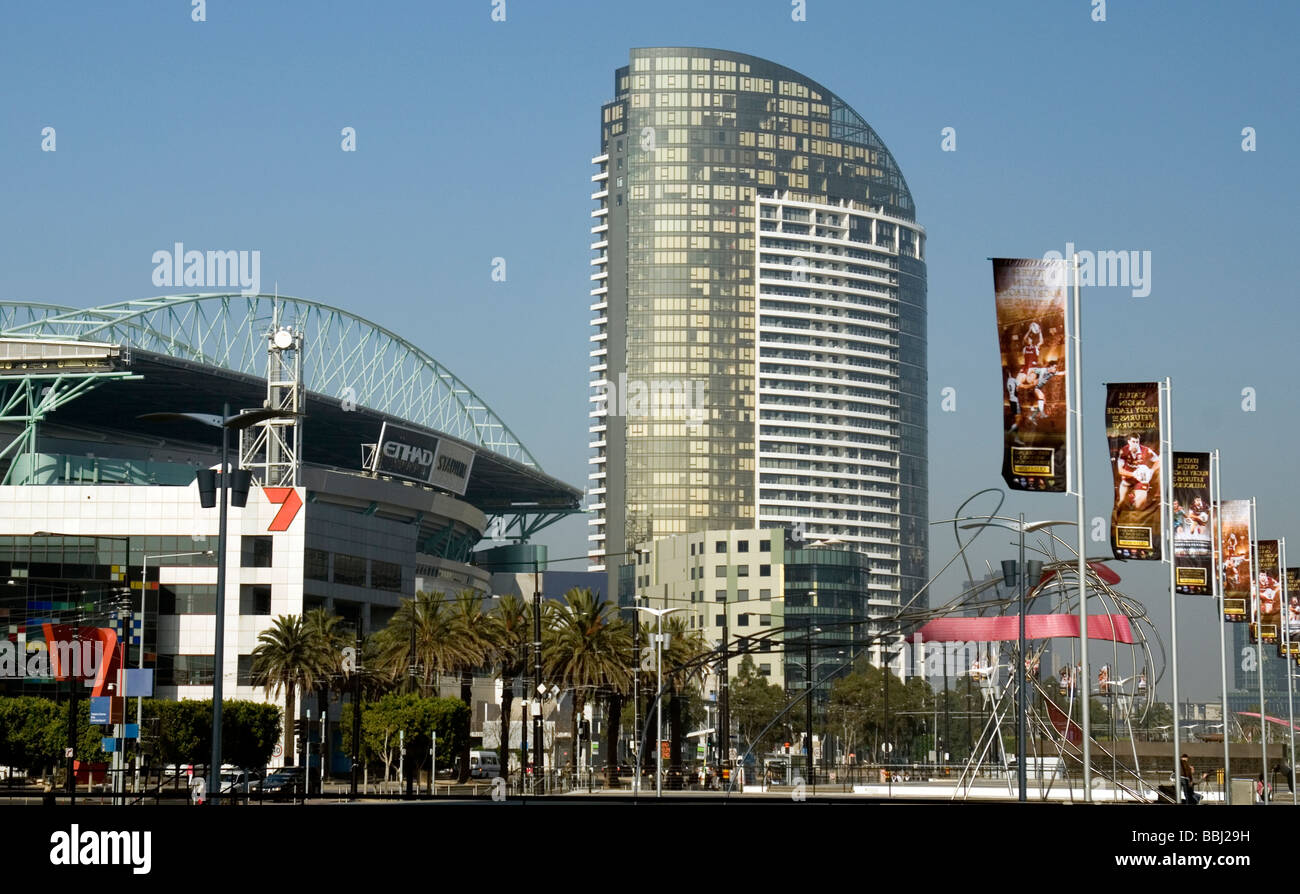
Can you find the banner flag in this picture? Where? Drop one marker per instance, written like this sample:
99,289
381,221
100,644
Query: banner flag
1193,525
1266,594
1234,558
1133,435
1292,612
1030,298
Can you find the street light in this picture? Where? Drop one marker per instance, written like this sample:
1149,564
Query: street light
226,423
144,594
659,707
539,688
1019,581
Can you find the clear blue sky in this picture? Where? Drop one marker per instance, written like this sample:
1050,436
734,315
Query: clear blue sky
474,139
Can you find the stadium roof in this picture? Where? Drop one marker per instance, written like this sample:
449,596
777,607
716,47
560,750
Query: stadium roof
195,352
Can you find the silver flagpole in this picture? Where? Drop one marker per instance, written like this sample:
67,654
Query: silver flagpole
1216,532
1286,657
1167,495
1085,675
1259,647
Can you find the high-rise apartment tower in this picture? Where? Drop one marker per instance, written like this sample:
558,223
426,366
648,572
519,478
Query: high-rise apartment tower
759,293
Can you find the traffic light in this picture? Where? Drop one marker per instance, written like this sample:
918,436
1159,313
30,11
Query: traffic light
207,481
240,481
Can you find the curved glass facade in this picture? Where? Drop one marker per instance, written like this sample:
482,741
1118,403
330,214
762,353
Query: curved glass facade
705,369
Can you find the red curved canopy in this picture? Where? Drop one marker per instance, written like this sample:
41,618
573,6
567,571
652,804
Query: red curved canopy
1005,628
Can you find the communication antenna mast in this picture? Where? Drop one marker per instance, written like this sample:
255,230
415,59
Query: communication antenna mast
272,450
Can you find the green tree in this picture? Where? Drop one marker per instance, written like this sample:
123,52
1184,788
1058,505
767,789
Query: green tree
289,655
474,628
384,720
683,672
754,704
588,651
512,632
248,731
428,625
326,629
858,708
34,734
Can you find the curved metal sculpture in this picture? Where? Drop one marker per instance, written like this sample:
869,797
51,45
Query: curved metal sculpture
345,357
1123,680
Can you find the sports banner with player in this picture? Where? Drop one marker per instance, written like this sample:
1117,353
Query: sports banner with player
1234,558
1133,433
1266,594
1030,298
1291,613
1193,526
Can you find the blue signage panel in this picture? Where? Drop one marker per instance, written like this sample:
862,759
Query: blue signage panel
139,683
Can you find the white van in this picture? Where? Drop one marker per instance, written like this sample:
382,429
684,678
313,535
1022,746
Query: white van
484,765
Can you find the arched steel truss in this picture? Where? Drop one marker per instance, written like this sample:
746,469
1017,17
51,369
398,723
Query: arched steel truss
345,357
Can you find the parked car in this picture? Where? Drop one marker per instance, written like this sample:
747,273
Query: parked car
289,782
238,782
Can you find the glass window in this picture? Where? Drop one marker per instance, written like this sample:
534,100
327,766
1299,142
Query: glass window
764,570
765,620
185,670
742,571
742,620
316,565
386,576
742,595
720,596
765,670
765,546
719,621
720,546
720,571
255,599
244,672
349,570
187,599
742,546
255,552
765,594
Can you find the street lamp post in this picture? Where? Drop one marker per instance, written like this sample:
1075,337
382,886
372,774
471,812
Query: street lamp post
144,594
659,694
539,688
1020,580
226,423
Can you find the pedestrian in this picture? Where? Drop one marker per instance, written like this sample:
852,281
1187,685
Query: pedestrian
1259,789
1288,773
1187,772
47,796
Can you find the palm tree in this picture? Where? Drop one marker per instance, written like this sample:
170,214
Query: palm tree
589,649
683,673
473,628
421,639
287,656
513,632
324,627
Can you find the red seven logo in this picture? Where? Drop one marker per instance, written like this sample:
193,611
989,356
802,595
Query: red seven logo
289,502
